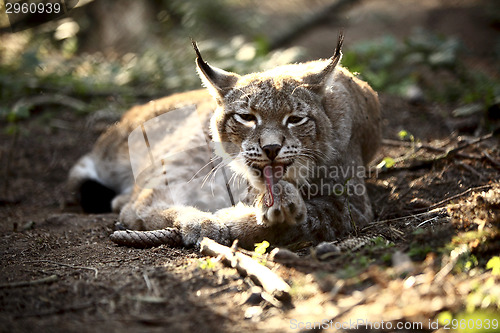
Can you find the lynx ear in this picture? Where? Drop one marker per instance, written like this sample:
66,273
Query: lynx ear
319,80
218,81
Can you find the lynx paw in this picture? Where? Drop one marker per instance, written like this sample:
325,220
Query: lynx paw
288,206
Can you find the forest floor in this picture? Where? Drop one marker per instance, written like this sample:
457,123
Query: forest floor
437,218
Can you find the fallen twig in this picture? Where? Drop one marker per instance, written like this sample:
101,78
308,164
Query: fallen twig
67,265
473,142
444,153
245,265
427,221
16,284
76,307
456,196
491,159
470,169
452,260
418,146
433,209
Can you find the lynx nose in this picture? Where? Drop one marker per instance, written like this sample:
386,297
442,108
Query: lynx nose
272,151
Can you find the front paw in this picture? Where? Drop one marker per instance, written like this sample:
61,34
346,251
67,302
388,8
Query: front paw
287,206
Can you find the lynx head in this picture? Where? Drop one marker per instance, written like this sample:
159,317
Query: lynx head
272,125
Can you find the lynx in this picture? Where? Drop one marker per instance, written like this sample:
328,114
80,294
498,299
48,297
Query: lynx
295,139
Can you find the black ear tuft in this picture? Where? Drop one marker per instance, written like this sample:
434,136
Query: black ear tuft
317,81
195,47
202,64
338,49
199,59
217,81
337,54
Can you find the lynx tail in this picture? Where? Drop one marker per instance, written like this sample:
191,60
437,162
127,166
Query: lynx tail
144,239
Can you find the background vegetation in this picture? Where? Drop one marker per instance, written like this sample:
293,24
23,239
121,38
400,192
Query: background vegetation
64,58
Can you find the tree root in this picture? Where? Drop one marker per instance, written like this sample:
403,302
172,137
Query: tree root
144,239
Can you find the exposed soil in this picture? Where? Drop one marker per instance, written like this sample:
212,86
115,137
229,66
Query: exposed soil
94,285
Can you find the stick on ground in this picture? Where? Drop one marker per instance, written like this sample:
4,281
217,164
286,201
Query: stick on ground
67,265
245,265
16,284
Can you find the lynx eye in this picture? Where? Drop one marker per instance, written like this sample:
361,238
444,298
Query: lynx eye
296,120
246,119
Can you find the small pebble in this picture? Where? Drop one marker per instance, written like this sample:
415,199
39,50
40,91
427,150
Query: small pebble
326,248
281,254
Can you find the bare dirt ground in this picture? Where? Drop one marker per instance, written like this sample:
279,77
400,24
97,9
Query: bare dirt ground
59,272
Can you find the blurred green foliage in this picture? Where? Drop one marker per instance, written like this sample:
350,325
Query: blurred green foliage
494,265
197,17
44,67
260,250
425,60
41,63
156,72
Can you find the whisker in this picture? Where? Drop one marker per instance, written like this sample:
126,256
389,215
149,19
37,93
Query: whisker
235,179
212,172
211,162
313,152
212,159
